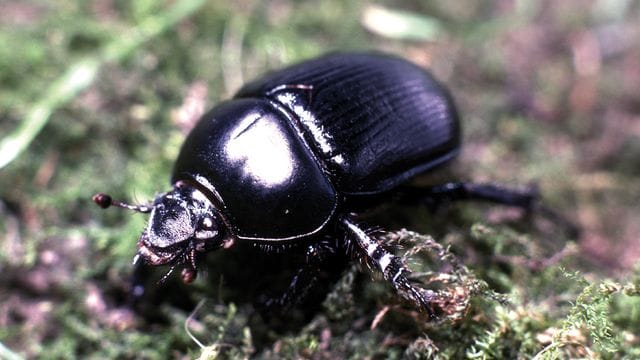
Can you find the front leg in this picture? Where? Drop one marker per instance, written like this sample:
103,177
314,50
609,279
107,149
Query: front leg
391,266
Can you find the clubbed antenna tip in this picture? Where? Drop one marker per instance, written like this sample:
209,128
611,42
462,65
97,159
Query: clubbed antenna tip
105,201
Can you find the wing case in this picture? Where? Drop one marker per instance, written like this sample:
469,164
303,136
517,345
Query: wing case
374,120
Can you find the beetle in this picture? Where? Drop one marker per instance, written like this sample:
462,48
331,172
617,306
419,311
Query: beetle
294,156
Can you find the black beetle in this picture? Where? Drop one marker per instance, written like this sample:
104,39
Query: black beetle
294,155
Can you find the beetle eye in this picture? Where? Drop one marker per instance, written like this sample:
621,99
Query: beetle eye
207,224
207,229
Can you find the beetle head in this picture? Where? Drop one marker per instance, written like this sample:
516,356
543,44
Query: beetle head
184,224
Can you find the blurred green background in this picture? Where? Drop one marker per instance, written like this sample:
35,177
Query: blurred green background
98,96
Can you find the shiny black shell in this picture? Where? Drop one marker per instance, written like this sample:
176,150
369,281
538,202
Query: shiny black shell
294,148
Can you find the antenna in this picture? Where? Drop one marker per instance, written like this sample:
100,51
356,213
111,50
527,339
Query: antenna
105,201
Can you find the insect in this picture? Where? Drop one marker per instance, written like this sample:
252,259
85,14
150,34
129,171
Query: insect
294,156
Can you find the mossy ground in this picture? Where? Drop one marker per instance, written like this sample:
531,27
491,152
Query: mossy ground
548,92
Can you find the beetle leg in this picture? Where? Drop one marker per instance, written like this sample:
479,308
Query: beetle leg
137,281
391,266
306,277
166,276
528,199
303,281
454,191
